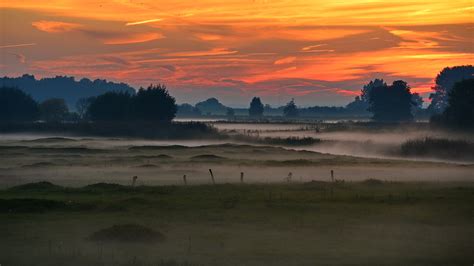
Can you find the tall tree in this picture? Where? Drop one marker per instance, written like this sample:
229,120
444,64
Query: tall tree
361,103
365,92
391,103
460,110
256,107
15,105
54,110
445,81
290,110
154,104
111,106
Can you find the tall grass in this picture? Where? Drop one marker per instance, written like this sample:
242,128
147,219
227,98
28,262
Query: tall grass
438,148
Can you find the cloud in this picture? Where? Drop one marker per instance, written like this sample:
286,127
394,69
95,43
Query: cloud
115,60
143,22
208,37
21,58
285,60
212,52
17,45
133,38
55,26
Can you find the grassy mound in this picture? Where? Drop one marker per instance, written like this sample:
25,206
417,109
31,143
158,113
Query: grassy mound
207,157
127,233
50,140
38,186
104,187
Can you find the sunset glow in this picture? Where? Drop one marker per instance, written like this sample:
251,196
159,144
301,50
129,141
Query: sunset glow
318,52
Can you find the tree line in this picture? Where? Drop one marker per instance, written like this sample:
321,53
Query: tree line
153,104
451,103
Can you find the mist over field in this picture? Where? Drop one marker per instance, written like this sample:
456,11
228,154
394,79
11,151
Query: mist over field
215,133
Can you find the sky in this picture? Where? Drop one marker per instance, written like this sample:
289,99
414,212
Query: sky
318,52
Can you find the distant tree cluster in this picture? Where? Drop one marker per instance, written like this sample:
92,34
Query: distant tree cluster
67,88
151,104
391,103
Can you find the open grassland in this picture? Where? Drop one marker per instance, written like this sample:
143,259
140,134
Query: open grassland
77,162
314,223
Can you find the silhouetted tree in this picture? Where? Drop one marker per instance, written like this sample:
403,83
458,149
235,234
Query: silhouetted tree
256,107
54,110
391,103
290,109
445,81
111,106
417,100
154,104
365,92
361,103
460,110
15,105
82,105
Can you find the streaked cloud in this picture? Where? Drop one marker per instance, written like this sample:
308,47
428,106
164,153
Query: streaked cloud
16,45
55,26
143,22
286,60
134,38
319,52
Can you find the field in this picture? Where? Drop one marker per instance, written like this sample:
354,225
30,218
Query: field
314,223
72,201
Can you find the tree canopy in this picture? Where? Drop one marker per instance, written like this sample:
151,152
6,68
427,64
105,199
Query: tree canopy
391,103
445,81
154,104
290,110
111,106
15,105
460,109
54,110
151,104
256,107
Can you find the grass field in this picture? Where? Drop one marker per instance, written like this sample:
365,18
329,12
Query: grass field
313,223
376,212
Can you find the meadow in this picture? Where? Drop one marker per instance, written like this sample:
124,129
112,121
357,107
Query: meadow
74,200
312,223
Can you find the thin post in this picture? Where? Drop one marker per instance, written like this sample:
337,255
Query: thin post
212,177
184,180
242,177
332,175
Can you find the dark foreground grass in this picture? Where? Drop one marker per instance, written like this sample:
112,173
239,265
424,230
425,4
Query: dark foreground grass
315,223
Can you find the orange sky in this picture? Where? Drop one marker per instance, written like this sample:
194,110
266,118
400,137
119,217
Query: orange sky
318,52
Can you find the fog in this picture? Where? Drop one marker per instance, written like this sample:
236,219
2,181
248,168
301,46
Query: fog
77,161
